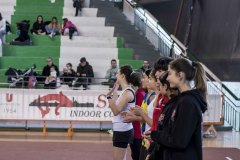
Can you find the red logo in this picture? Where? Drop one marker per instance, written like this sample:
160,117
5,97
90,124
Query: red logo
57,101
9,97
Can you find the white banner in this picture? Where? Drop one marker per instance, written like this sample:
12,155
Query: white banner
75,105
215,105
30,104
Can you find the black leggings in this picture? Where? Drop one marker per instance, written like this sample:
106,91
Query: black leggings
135,148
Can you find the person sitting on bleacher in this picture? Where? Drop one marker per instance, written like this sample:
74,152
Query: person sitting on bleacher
47,69
84,73
145,66
2,28
51,80
68,74
112,72
69,28
53,28
38,27
22,31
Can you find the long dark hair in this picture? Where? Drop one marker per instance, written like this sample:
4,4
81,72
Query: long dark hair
1,16
132,77
147,72
193,71
41,17
162,63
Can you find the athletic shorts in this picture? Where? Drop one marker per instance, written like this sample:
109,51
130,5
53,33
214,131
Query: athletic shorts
122,139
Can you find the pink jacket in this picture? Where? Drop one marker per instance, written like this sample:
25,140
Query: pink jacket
69,24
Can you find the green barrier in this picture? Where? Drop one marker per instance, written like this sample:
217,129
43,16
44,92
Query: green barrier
39,40
136,64
44,3
120,42
3,78
25,62
125,53
31,51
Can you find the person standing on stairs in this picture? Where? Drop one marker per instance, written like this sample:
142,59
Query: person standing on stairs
78,4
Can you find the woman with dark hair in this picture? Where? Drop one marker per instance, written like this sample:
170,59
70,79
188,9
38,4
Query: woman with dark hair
2,28
181,137
53,28
38,27
122,132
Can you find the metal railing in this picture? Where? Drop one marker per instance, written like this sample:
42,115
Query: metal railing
39,82
169,45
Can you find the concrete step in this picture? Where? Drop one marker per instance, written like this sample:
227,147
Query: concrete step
7,3
69,3
89,42
96,31
87,21
86,12
99,65
77,52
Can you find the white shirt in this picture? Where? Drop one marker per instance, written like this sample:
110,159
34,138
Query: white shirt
150,110
118,124
3,25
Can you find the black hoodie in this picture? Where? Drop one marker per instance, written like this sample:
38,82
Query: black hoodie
180,136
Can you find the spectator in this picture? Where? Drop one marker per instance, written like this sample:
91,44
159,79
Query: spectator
53,28
84,73
69,28
47,69
145,66
2,28
52,78
112,72
38,27
23,37
68,74
78,5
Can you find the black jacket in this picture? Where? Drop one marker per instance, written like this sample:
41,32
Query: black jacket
180,136
37,26
46,70
68,77
87,69
77,3
23,36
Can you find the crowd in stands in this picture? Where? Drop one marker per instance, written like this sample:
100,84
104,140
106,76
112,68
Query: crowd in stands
39,27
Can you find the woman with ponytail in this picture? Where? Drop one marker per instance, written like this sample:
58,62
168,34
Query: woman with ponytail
122,132
180,137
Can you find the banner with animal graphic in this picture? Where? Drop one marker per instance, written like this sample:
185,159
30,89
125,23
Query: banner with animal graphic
75,105
33,104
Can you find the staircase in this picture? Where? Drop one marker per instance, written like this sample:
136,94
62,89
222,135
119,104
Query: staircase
142,48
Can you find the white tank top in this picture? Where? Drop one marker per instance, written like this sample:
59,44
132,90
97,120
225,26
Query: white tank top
118,124
150,110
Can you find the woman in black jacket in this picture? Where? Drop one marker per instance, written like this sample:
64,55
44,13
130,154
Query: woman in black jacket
180,136
39,26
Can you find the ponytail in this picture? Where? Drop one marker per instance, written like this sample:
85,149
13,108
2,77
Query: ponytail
200,77
192,70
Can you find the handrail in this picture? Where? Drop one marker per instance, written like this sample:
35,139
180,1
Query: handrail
169,45
171,40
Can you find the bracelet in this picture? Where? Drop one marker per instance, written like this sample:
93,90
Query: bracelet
109,97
